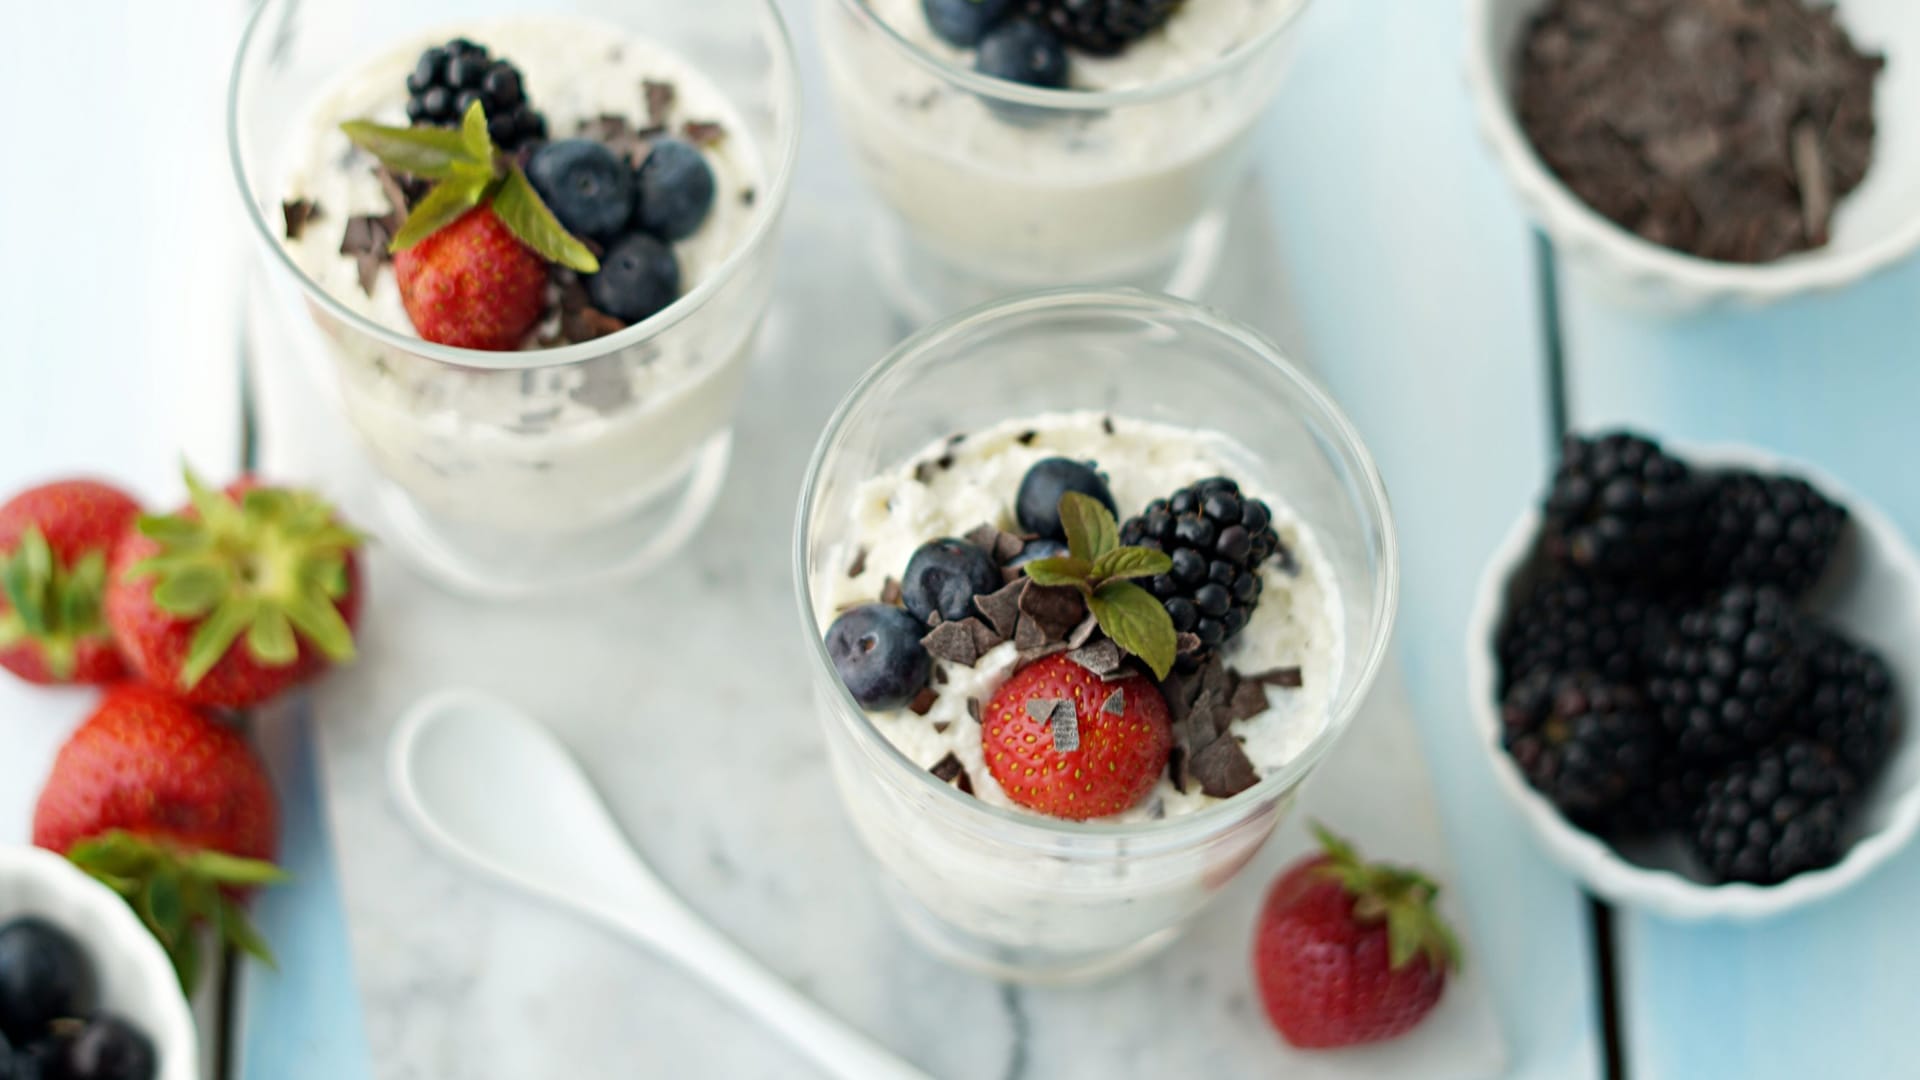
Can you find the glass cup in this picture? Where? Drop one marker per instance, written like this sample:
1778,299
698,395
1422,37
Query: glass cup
1018,895
989,187
512,473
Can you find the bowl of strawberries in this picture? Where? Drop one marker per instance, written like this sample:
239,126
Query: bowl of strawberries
1683,664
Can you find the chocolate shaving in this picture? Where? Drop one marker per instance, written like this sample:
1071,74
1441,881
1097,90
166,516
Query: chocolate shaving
401,194
939,676
952,641
1058,608
1116,703
703,133
660,97
1203,704
1106,424
973,708
1083,633
747,195
923,472
1223,770
1288,677
1059,716
1028,634
1249,700
1001,608
1186,644
298,212
922,702
859,564
948,769
1103,658
890,592
940,726
1038,653
366,239
1026,438
618,134
985,639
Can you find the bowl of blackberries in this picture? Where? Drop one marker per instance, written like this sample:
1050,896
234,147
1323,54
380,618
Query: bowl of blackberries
86,993
1693,671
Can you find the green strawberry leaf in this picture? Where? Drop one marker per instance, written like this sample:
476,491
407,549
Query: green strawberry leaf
426,152
224,869
29,582
216,508
238,931
1059,570
1091,529
214,636
447,203
192,590
170,530
1130,562
1137,622
526,215
320,622
270,638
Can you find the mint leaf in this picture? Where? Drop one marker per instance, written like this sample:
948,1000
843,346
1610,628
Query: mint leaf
1091,530
473,135
429,153
447,203
527,217
1131,562
1137,623
1059,570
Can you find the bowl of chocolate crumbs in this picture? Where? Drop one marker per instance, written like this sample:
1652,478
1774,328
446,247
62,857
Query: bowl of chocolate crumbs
1691,153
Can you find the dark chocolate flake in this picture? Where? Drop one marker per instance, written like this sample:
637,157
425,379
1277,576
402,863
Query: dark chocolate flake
923,472
1058,608
1026,438
298,212
974,708
923,702
940,726
1001,608
985,640
948,770
1103,658
1288,677
1106,424
859,564
1116,703
890,592
660,97
1083,633
703,133
1249,700
1223,769
952,641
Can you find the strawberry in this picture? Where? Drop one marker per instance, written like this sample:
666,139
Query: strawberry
237,598
1347,952
1121,754
472,284
171,810
55,543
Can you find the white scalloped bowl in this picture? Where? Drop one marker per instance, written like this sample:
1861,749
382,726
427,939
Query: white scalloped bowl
1872,592
1876,226
135,979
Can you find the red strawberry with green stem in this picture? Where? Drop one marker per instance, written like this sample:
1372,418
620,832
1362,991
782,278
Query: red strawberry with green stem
238,597
55,543
1348,952
171,810
1123,730
471,257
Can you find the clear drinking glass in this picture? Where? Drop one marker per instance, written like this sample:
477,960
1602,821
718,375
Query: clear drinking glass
989,187
1033,898
508,473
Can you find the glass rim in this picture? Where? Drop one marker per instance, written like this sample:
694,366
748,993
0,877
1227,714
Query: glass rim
1077,100
770,203
1035,828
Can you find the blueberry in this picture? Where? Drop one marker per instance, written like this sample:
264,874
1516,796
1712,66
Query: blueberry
1023,51
638,276
43,976
108,1048
876,649
586,186
1037,507
962,22
944,576
1038,549
674,190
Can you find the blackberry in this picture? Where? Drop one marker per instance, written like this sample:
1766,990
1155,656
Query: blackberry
1770,530
1661,801
1781,813
1218,538
1622,508
1849,704
1583,741
1727,676
449,78
1569,622
1101,27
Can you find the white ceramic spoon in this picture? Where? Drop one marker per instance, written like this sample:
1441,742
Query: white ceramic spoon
491,786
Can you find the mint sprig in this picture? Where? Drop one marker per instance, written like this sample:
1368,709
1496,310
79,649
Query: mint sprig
470,171
1098,566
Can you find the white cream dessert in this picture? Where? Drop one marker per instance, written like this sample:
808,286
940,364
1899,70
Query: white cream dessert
1045,194
557,448
958,484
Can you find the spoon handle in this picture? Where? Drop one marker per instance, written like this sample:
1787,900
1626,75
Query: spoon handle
828,1041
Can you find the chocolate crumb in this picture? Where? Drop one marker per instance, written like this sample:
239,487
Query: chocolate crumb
401,195
1106,424
703,133
1116,703
298,212
890,592
923,472
747,196
944,463
948,770
940,726
956,439
952,641
939,677
1223,769
1102,657
859,564
366,239
1027,437
1186,644
922,702
660,97
1288,677
973,708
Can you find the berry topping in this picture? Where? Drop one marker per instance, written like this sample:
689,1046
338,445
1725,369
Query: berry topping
1584,742
1217,539
107,1048
638,277
1727,676
673,190
1849,704
585,184
1571,623
1122,730
1770,530
944,576
473,284
449,79
962,23
1348,952
1102,27
44,976
1038,549
1037,507
876,649
55,542
1023,51
1622,508
1781,813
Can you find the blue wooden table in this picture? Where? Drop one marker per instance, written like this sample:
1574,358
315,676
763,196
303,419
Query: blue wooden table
1411,280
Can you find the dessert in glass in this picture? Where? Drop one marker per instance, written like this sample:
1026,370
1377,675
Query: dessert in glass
1018,144
1093,579
538,246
